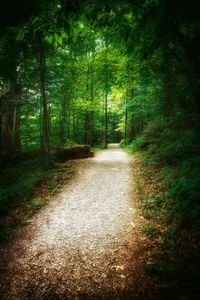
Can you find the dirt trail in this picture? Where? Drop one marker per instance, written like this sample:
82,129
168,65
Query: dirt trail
81,245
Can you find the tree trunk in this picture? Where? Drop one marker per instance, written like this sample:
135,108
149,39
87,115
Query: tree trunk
86,138
90,92
74,126
91,123
10,122
10,108
106,120
125,120
63,118
106,98
45,132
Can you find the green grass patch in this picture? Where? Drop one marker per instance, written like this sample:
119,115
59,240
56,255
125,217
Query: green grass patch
25,187
97,148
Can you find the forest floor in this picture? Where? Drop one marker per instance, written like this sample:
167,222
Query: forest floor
86,243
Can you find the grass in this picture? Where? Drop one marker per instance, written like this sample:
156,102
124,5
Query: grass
25,187
97,148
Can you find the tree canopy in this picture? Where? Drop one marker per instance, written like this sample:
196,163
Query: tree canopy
95,72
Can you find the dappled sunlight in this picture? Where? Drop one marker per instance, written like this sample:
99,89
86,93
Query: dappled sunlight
113,155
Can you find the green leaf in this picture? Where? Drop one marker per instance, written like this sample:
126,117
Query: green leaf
20,34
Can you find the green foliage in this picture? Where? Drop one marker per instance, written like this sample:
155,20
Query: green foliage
5,233
136,144
152,231
17,183
170,237
143,57
37,203
25,188
160,267
184,193
96,148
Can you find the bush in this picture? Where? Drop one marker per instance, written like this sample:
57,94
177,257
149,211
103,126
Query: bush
184,193
136,144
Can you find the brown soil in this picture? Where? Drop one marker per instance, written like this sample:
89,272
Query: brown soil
85,243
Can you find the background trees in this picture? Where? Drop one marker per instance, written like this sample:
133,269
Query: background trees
85,72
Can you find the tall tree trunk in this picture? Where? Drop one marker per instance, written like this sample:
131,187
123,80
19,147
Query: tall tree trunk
91,123
10,108
125,119
86,137
90,92
45,132
106,98
74,126
102,121
63,119
10,121
87,114
106,119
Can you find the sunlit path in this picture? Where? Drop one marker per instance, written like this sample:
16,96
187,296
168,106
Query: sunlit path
82,242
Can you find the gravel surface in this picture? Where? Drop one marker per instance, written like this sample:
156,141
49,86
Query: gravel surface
83,243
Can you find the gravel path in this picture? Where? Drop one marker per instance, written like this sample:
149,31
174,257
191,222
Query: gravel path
82,244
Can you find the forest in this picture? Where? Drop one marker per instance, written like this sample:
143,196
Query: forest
87,72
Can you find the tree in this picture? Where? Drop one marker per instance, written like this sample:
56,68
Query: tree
10,96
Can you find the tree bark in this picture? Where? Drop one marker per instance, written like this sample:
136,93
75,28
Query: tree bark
45,132
106,120
125,120
10,107
63,118
106,98
86,138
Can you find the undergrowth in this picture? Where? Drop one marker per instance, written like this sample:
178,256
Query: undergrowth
24,188
168,185
97,148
